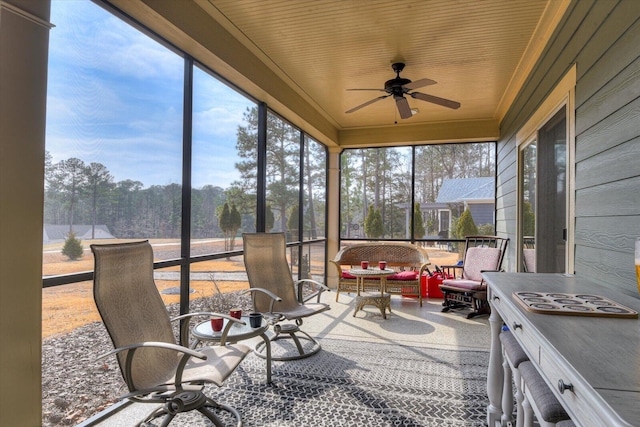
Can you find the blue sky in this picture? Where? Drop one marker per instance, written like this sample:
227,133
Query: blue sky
115,97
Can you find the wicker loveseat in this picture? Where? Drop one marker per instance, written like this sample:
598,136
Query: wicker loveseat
408,260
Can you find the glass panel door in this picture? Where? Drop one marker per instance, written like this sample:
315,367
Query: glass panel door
551,226
543,198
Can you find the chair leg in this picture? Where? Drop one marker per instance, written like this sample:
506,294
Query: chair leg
289,331
214,419
480,307
185,401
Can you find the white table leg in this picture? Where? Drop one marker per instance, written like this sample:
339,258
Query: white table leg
507,392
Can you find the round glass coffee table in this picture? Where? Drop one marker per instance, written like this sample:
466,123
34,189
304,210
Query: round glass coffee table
381,299
203,332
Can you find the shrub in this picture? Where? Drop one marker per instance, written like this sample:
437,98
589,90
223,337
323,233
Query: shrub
373,227
486,230
465,226
72,248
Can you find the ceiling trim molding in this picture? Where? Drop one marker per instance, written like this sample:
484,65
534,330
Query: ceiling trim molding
550,19
432,133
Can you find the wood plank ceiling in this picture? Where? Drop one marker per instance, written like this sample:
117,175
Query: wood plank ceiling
478,52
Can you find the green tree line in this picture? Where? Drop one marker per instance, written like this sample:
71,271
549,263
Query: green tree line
80,193
377,181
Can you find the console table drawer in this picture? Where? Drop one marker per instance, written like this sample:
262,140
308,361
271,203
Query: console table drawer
573,396
519,328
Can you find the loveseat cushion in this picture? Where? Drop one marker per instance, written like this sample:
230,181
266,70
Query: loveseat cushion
347,275
404,275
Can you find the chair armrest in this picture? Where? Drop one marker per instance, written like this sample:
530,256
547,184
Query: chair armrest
423,268
322,288
131,349
338,267
452,266
447,268
156,344
274,298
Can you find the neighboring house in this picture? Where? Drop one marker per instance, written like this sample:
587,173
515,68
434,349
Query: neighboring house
59,233
475,194
456,195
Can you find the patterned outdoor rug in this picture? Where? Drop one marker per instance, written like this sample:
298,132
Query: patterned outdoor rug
352,383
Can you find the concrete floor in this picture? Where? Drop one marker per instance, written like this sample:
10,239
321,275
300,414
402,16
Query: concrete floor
407,324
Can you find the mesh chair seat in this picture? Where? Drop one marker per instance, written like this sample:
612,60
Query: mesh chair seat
306,310
220,363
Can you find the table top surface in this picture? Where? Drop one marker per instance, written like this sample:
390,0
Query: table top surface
237,332
371,272
604,351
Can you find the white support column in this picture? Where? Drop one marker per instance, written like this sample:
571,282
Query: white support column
24,43
333,212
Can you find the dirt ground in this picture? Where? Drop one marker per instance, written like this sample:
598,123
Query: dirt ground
67,307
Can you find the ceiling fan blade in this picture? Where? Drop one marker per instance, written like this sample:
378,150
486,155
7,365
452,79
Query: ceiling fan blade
436,100
419,83
365,104
403,107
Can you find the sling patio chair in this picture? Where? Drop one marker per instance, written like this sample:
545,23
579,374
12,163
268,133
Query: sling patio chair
277,296
156,369
467,289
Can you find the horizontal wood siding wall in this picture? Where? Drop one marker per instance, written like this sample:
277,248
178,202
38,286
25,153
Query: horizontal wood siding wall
601,37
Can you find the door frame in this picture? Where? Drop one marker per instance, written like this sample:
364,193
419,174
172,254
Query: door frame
562,96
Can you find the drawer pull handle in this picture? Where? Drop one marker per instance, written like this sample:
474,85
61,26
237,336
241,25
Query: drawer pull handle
496,298
562,386
516,326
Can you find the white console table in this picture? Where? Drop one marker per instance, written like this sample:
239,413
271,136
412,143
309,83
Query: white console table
591,363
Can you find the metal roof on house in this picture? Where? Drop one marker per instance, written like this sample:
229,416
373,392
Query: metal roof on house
466,189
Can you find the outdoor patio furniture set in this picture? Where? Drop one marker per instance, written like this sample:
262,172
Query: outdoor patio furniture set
172,375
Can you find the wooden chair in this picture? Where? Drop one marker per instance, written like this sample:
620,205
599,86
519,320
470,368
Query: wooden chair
467,289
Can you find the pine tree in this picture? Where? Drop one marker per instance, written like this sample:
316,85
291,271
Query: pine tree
235,222
224,222
293,222
466,226
269,219
373,227
72,248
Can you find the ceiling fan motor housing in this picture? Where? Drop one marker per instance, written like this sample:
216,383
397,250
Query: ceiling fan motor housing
394,86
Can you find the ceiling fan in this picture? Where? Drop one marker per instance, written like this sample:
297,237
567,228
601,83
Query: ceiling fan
400,87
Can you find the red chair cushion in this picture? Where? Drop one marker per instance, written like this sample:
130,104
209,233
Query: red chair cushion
404,275
347,275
